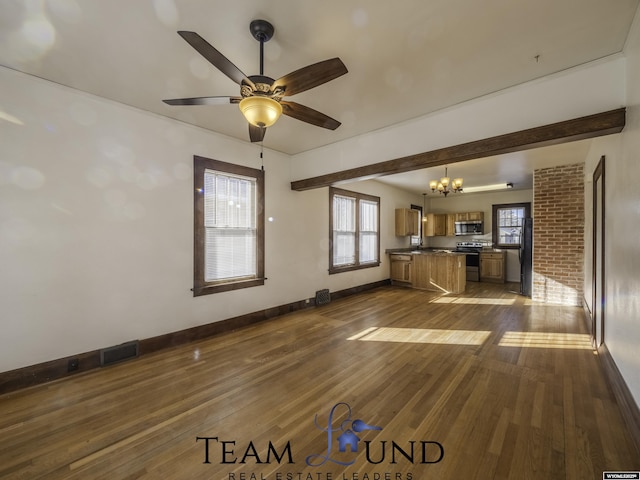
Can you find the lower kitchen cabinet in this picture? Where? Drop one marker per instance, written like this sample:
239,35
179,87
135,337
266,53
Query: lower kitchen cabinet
401,266
441,272
493,266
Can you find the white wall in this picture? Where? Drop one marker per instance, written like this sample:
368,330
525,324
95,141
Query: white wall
622,226
96,225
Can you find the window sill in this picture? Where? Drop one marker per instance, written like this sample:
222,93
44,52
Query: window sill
199,290
350,268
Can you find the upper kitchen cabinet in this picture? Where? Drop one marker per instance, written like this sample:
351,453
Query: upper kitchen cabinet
469,216
436,224
451,224
407,222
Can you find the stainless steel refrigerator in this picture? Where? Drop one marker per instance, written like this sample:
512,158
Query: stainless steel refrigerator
526,257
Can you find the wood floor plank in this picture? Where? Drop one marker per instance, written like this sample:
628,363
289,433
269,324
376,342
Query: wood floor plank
505,385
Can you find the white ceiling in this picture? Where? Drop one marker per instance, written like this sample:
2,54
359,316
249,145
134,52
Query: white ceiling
405,59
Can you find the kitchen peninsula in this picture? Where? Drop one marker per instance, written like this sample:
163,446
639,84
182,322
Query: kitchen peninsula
438,270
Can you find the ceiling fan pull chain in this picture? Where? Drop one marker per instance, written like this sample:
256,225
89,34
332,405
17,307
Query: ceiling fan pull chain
261,157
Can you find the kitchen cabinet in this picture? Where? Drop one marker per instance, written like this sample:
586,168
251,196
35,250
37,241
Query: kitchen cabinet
441,272
451,225
441,224
425,270
469,217
436,225
493,266
401,266
407,222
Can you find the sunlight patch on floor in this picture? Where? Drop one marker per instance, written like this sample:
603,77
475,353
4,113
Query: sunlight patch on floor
572,341
475,301
422,335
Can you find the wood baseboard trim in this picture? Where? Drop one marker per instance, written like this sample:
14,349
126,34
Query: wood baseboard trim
587,317
32,375
628,406
359,289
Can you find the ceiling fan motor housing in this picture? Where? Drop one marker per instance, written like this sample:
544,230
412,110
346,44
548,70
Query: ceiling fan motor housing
262,86
261,30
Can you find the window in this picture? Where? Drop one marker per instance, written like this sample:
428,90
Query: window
416,240
355,237
228,226
507,224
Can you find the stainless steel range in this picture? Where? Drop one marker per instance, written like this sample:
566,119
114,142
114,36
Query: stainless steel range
472,249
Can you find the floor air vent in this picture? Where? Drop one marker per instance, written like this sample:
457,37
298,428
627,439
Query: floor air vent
323,297
119,353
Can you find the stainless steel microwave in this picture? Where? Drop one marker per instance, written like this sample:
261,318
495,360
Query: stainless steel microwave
473,227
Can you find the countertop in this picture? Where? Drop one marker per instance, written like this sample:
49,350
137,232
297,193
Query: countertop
425,251
436,251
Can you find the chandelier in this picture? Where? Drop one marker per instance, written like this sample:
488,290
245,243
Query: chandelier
444,185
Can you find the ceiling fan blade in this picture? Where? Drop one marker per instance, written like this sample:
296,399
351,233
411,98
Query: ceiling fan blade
256,134
218,60
203,101
310,76
309,115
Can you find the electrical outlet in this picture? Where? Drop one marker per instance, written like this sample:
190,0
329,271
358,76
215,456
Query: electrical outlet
74,363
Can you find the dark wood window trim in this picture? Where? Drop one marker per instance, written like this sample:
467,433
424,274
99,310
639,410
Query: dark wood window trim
494,221
357,265
200,286
420,226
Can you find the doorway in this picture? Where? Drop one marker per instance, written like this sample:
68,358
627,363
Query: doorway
597,270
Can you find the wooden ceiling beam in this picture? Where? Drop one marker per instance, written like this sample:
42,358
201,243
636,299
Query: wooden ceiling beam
591,126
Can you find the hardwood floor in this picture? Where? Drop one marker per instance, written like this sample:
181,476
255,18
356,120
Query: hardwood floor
504,388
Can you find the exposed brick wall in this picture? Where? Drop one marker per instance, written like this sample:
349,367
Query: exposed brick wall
558,234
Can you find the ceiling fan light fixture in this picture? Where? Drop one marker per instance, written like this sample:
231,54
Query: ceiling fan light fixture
260,111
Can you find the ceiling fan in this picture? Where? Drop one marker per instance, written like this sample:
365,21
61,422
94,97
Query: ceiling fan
261,97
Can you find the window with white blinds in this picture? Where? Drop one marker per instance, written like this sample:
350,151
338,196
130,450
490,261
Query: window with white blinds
368,231
344,230
229,226
355,235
